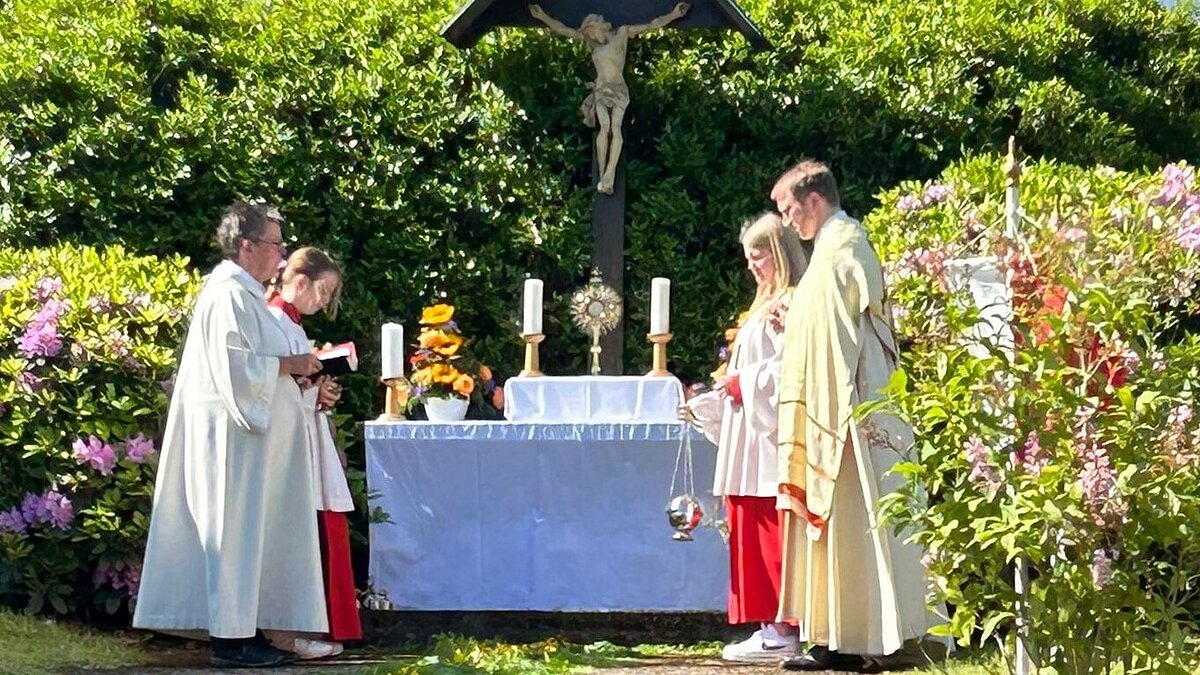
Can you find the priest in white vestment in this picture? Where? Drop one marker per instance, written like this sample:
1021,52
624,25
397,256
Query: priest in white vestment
854,588
233,544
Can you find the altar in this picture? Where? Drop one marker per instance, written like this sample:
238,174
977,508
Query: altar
563,514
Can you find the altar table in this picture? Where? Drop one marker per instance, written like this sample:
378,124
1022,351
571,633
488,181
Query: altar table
538,517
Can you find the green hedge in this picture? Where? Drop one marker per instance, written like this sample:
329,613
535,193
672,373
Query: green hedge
433,171
87,358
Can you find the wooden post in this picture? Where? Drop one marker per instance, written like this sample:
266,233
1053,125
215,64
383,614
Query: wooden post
608,256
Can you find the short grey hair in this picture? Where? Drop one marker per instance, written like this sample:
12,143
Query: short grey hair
240,221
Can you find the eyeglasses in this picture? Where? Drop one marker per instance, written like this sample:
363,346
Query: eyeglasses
277,244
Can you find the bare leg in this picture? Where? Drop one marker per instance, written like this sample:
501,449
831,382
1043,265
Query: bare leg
604,122
609,177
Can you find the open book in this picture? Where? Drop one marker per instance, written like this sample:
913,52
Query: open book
338,359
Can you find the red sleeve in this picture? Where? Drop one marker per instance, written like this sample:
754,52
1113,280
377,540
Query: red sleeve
735,389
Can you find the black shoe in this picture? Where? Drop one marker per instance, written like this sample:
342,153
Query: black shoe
820,658
248,653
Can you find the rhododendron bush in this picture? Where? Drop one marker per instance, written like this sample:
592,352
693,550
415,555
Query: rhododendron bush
87,353
1072,443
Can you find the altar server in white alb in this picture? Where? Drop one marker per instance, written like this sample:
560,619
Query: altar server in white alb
855,589
233,541
740,416
309,283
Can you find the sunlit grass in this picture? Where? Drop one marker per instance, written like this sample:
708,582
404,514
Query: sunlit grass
35,645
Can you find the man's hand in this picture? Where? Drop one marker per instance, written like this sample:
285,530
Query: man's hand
302,365
777,315
536,11
681,9
329,392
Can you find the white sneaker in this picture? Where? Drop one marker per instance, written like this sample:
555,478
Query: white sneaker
764,646
308,650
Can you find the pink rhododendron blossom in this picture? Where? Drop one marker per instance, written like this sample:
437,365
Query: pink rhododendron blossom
100,455
139,448
909,203
30,383
46,288
12,521
40,341
1074,234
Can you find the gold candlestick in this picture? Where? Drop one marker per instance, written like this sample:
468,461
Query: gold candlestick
395,400
659,367
532,367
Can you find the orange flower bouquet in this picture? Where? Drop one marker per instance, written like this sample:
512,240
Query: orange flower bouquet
442,366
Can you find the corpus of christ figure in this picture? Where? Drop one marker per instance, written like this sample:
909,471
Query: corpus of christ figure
605,105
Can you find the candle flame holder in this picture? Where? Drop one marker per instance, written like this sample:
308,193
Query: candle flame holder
396,399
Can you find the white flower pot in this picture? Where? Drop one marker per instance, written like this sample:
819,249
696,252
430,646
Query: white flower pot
446,409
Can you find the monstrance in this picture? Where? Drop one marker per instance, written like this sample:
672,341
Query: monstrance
596,308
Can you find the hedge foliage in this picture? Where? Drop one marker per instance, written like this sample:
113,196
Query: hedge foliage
435,172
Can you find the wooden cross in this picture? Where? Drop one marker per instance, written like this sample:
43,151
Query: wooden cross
474,18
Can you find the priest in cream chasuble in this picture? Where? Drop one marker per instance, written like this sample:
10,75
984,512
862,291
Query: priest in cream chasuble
849,582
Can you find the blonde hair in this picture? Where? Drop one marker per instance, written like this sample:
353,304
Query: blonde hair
768,233
314,263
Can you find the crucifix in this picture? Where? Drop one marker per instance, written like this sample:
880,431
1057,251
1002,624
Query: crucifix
605,106
605,26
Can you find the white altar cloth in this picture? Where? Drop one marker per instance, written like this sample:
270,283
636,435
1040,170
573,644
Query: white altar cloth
625,398
538,517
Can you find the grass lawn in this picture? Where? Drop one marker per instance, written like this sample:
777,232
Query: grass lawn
34,645
30,645
453,655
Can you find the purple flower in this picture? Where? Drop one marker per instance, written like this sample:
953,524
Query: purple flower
139,448
1098,482
34,509
1073,234
47,287
12,521
1101,568
936,193
100,304
100,455
50,313
60,509
909,203
982,471
722,353
140,301
418,391
40,341
168,386
30,383
1031,458
1178,180
1187,233
118,343
1180,416
132,579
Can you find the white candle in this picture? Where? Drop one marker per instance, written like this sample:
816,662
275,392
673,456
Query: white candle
393,351
660,306
532,325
